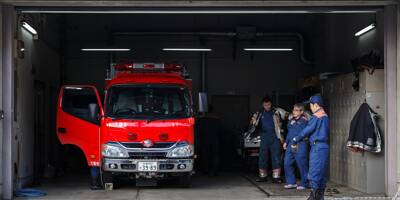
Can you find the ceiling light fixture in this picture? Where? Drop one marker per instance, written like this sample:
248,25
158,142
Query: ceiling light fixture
186,49
364,30
268,49
29,28
108,49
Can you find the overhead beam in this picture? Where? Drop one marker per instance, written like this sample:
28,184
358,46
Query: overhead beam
199,3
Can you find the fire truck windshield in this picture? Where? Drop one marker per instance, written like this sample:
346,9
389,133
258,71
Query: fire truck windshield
149,102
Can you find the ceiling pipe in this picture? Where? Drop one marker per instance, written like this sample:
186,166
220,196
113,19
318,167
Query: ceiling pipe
299,37
296,35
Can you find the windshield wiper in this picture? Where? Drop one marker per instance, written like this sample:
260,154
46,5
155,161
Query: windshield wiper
157,118
118,117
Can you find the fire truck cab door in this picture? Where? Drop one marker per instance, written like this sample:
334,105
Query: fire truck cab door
79,112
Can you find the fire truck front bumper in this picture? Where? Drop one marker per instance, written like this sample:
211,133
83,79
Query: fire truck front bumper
170,165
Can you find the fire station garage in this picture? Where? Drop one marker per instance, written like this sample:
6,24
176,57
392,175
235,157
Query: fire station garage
82,84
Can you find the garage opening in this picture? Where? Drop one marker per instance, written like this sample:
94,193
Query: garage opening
233,59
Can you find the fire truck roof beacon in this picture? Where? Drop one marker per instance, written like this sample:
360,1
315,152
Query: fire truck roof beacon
29,28
364,30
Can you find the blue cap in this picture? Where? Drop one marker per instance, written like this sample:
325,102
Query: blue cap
316,99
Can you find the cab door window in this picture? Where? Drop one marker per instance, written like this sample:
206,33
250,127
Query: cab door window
81,102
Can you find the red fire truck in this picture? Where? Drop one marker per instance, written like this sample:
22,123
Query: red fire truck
142,130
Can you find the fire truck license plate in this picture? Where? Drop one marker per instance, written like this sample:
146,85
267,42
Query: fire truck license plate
147,166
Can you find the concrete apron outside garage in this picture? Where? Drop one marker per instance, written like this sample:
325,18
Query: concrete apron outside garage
225,186
277,191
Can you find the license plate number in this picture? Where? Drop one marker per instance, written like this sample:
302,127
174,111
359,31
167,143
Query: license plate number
147,166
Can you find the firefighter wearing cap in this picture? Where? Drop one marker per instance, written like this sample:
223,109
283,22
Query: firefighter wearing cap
317,130
299,155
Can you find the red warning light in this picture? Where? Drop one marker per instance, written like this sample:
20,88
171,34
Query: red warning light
123,67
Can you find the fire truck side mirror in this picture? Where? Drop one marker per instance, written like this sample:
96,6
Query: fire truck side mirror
94,112
203,105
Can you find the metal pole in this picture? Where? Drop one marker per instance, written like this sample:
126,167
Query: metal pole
7,87
203,71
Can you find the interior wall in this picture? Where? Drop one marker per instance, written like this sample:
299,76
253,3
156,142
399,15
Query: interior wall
326,37
336,45
335,48
247,74
24,125
41,63
243,75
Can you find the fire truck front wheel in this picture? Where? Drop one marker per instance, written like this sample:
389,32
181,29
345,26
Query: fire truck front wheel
107,180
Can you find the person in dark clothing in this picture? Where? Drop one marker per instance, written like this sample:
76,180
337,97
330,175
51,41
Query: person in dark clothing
268,123
94,178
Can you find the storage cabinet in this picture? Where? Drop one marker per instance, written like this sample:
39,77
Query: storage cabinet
362,171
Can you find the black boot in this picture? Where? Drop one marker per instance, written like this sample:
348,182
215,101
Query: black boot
319,194
94,184
312,195
262,179
277,180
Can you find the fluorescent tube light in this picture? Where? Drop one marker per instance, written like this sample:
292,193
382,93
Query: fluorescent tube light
168,11
352,11
29,28
105,49
268,49
184,49
364,30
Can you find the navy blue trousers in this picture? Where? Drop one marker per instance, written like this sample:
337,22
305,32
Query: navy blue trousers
299,157
270,147
319,161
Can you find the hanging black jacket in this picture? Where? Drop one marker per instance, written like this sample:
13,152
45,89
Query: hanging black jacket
364,133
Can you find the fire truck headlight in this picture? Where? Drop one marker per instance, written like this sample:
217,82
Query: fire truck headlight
181,151
114,151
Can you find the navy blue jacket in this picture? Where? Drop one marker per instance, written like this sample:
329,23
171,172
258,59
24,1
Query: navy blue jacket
317,129
295,126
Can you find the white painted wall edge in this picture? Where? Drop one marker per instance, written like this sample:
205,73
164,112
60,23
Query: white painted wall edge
398,95
392,93
8,14
1,131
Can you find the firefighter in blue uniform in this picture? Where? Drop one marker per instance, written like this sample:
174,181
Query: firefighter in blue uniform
317,130
298,155
268,121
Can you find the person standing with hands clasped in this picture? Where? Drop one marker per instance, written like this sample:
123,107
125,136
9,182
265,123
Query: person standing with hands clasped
317,130
298,155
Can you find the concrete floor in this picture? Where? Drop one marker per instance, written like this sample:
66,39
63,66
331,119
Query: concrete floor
225,186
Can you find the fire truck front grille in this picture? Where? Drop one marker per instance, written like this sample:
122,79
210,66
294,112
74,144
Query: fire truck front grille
147,155
132,145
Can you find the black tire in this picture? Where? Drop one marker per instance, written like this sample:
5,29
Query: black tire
106,177
185,181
